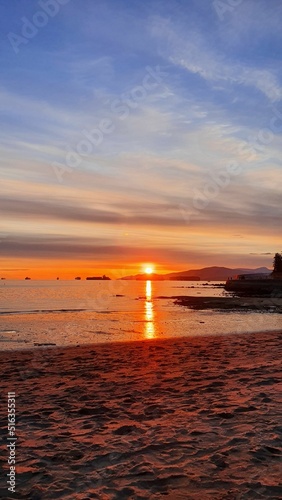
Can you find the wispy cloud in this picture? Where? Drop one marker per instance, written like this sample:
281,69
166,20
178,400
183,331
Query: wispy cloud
191,52
135,190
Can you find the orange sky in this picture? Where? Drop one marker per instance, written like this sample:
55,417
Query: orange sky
66,269
141,132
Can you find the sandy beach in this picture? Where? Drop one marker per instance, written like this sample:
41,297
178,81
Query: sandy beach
191,418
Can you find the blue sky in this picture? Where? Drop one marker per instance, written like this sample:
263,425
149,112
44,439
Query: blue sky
182,104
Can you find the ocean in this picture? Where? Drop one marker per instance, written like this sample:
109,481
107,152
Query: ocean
62,313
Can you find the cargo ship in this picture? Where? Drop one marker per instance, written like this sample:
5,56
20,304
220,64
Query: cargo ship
98,277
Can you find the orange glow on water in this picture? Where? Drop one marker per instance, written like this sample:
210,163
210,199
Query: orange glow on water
149,312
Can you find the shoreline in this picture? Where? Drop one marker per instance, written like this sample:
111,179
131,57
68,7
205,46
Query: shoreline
233,304
135,317
192,417
53,347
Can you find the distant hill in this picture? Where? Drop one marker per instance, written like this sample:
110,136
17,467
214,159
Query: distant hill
207,273
218,273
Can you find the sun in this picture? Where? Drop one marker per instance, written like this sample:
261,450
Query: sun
148,270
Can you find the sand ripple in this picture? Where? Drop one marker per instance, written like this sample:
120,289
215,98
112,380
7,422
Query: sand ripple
194,418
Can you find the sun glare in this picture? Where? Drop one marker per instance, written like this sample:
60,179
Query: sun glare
148,270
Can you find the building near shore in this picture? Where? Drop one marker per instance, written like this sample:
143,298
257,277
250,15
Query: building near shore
264,283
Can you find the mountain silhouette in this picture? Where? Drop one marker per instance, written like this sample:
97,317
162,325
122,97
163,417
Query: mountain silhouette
215,273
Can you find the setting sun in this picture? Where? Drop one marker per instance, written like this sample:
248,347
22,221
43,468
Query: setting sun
148,270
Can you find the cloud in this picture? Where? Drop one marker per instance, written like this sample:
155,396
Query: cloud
54,210
252,26
15,269
240,205
191,52
215,98
56,247
93,252
262,253
134,214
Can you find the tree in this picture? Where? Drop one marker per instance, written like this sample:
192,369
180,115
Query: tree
277,263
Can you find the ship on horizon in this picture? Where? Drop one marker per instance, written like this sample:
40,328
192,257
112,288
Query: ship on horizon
104,277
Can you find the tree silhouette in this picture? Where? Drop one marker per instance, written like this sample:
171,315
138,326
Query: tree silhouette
277,263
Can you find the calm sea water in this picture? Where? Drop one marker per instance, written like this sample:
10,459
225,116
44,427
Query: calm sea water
83,312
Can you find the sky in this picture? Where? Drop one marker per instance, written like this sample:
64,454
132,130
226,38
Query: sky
139,132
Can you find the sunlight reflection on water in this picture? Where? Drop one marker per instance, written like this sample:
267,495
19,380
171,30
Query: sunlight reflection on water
149,312
76,312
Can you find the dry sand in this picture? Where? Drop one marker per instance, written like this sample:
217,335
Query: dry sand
193,418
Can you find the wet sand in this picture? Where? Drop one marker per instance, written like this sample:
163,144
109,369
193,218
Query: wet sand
259,304
191,418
